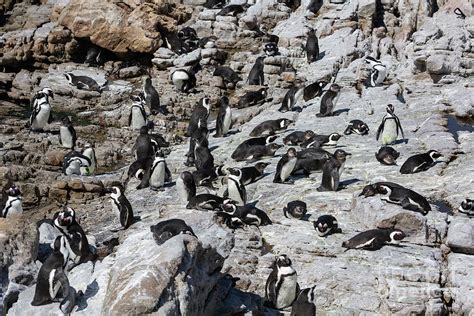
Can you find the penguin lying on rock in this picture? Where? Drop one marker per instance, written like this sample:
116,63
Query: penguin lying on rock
374,239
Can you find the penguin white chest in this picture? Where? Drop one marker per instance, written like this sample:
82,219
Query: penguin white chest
66,137
42,117
157,178
138,120
390,132
227,121
286,293
14,206
234,192
115,208
74,167
182,192
287,169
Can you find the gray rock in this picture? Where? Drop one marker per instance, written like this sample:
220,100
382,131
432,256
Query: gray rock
461,235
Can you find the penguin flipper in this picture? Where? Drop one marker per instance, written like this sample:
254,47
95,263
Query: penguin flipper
380,129
50,118
399,126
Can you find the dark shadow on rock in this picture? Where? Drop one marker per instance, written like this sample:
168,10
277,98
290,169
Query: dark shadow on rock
346,183
443,207
91,290
339,112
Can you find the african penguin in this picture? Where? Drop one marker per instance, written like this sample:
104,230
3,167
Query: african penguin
224,118
13,205
83,82
247,214
89,152
185,79
321,140
298,137
199,115
467,207
326,225
76,163
67,134
167,229
357,127
121,206
137,118
312,46
378,72
252,142
387,155
271,127
420,162
235,187
233,9
256,75
152,98
313,90
41,110
157,174
199,135
257,152
143,146
282,286
315,5
252,98
305,304
389,127
332,171
203,159
296,209
289,100
374,239
228,75
254,173
271,49
285,167
328,101
205,201
186,186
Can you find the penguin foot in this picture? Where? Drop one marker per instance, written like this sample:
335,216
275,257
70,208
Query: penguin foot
289,182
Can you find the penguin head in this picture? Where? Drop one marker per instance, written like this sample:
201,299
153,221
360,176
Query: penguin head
66,121
283,261
274,147
368,190
291,152
334,137
335,87
143,130
382,189
321,227
261,166
311,32
297,208
13,191
48,92
396,236
371,60
186,176
466,205
235,172
224,100
115,190
434,154
390,108
263,92
284,123
228,206
69,76
65,217
341,154
322,83
206,102
309,134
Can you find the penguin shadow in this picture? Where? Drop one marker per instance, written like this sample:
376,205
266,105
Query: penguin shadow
321,55
211,149
400,141
231,132
306,217
339,112
91,290
344,184
442,207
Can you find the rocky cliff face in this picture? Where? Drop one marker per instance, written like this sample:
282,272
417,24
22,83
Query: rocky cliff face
428,51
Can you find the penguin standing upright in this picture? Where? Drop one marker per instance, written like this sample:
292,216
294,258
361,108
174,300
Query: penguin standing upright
328,101
67,134
305,304
378,72
282,286
121,206
312,46
186,186
152,98
143,146
420,162
203,159
224,118
13,205
137,118
315,5
41,110
289,100
285,167
157,174
389,127
199,116
89,152
52,284
374,239
256,76
332,171
235,187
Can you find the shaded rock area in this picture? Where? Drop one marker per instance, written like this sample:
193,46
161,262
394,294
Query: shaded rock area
428,53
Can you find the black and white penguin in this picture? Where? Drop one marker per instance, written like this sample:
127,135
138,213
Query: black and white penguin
312,46
252,98
13,206
65,221
256,76
236,189
296,209
271,49
205,201
228,75
203,159
282,286
314,153
305,304
271,127
378,72
205,177
420,162
332,171
467,207
306,166
292,4
257,152
328,101
143,146
224,118
315,5
357,127
84,82
214,4
52,284
157,174
289,100
137,169
314,90
199,135
185,79
208,42
199,115
321,140
389,127
41,109
247,214
387,155
326,225
137,118
67,134
89,152
254,173
240,150
76,163
233,9
397,194
285,167
374,239
298,137
167,229
121,206
152,98
186,186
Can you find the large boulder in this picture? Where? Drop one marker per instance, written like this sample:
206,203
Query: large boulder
122,27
